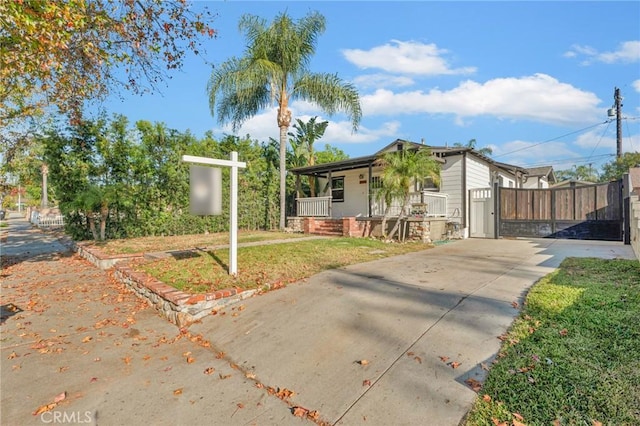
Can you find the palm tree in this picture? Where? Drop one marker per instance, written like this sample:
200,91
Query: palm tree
302,143
487,150
274,70
400,169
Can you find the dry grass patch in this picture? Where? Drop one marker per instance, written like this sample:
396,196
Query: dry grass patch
277,264
185,242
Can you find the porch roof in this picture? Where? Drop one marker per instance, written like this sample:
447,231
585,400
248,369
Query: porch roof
322,169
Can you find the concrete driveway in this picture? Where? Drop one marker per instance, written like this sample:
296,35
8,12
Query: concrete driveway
359,345
401,315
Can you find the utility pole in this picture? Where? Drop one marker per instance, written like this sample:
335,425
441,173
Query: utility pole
618,105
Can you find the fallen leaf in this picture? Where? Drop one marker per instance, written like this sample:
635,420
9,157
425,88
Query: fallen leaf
518,416
224,377
60,397
178,391
517,423
13,355
240,405
220,355
417,358
299,411
484,366
444,358
486,398
410,354
366,382
209,370
564,332
474,384
363,362
44,409
93,379
556,422
190,360
284,393
250,375
62,369
87,339
127,360
596,423
454,364
313,415
515,304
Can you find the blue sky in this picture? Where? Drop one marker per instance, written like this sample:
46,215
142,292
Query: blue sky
532,80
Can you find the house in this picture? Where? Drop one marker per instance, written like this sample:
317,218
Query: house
540,177
347,194
572,183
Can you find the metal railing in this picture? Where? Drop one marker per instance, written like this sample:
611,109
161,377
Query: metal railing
47,221
313,207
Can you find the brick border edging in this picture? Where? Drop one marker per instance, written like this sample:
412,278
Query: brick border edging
176,306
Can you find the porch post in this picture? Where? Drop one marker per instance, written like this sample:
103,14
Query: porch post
330,194
369,188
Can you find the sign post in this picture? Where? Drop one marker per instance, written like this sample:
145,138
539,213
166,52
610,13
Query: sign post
233,225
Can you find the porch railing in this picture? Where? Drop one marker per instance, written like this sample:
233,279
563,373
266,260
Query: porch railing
428,204
314,206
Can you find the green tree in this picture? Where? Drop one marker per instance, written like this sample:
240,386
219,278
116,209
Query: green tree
330,154
487,150
400,170
614,170
64,52
275,69
302,142
581,173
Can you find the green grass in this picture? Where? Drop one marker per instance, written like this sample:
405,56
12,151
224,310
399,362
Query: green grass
573,355
275,265
185,242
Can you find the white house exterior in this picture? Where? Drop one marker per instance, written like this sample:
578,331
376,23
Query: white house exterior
539,178
347,187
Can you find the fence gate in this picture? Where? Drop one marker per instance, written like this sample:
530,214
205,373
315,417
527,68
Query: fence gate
481,219
592,212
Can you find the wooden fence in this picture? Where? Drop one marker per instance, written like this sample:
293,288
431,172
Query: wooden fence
585,212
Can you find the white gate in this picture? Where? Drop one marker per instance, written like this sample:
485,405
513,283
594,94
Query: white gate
481,220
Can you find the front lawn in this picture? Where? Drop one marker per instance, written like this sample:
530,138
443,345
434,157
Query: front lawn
573,355
185,242
277,264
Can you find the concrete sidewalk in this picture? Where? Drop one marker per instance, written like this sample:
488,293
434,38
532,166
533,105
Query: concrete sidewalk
76,330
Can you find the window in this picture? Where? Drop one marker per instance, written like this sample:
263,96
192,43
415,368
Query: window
426,185
337,188
376,182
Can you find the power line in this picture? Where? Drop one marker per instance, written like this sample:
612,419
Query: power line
564,160
553,139
601,137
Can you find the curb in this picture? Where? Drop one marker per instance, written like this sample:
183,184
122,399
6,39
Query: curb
176,306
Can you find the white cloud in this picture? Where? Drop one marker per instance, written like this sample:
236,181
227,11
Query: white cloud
405,57
636,85
627,52
539,97
382,80
263,126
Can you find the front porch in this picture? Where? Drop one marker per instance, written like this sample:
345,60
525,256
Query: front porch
422,204
424,229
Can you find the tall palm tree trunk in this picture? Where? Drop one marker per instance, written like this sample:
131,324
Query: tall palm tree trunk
283,176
